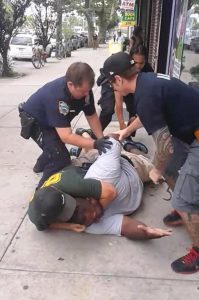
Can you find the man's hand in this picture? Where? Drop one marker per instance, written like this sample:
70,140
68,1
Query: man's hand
122,133
155,175
154,233
102,144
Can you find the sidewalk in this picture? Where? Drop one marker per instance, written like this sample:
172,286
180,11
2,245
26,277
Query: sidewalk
60,265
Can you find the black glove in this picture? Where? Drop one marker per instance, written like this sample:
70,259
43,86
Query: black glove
102,144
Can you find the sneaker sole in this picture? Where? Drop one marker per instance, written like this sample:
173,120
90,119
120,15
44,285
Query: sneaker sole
174,224
185,273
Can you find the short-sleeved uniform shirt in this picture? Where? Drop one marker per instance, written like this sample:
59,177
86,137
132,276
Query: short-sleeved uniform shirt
71,182
163,101
53,106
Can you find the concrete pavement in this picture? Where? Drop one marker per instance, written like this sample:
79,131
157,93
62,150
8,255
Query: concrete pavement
61,265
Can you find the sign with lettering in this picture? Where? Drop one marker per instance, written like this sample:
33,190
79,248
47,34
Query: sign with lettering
128,4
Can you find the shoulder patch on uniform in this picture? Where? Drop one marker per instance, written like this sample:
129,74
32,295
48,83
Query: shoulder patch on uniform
64,109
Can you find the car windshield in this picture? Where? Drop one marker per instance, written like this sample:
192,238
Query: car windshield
22,40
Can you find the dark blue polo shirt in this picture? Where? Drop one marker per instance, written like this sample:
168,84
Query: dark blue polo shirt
53,106
161,101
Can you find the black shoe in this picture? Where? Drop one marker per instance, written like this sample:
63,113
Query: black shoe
38,168
187,264
173,219
80,131
90,132
75,151
129,144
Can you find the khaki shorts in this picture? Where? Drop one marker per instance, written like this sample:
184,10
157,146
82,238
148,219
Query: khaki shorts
142,165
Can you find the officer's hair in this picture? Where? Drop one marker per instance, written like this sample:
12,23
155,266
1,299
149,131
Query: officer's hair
128,74
80,72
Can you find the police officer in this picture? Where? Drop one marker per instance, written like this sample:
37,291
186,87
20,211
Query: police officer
46,118
169,111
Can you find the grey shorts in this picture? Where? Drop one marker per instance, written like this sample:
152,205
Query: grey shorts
186,193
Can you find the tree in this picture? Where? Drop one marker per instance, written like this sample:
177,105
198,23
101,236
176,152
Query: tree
107,16
192,2
44,20
11,18
104,11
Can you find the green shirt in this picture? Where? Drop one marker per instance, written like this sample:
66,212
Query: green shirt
70,182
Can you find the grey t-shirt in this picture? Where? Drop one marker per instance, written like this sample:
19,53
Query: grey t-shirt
111,167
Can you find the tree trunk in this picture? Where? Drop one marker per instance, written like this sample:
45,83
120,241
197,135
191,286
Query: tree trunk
6,68
102,29
59,21
91,27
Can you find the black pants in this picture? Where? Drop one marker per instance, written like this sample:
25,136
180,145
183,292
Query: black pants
55,155
107,104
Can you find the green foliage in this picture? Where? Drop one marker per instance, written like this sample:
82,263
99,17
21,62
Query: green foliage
11,19
194,71
44,20
104,12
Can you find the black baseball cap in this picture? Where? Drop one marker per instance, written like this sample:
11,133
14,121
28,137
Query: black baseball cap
116,64
52,204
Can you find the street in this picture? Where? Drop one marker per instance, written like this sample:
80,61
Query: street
64,265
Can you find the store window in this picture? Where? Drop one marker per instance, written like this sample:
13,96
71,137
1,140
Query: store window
190,55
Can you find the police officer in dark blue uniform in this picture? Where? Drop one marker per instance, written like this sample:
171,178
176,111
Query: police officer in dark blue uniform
46,118
169,111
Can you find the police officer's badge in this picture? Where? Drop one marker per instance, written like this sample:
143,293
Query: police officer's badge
64,109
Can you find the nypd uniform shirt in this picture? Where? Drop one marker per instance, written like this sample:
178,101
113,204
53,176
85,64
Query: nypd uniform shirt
163,101
53,106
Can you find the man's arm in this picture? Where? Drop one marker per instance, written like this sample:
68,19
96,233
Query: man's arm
95,125
119,110
136,230
67,226
136,124
108,194
163,141
68,137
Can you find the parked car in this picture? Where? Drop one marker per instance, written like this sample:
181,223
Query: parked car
194,45
74,42
21,45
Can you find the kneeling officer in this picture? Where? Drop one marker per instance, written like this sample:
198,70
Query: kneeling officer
46,118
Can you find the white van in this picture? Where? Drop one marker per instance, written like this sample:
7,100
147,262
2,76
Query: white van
21,45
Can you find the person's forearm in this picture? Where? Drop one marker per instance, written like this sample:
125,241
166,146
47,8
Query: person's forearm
79,141
67,137
95,125
163,141
136,230
67,226
119,109
130,229
136,124
119,114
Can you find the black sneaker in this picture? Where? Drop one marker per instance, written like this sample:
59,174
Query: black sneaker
173,219
75,151
80,131
129,145
187,264
90,132
38,168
